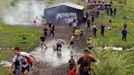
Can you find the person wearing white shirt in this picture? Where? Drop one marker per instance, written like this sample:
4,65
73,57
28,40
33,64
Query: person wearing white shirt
22,62
59,44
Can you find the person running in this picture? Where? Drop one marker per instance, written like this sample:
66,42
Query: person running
77,33
84,64
42,42
72,63
52,31
22,62
45,31
59,44
102,27
89,44
72,41
88,22
92,18
124,34
94,31
74,24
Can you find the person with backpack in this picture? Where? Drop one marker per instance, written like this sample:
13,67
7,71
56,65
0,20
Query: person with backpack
84,64
22,62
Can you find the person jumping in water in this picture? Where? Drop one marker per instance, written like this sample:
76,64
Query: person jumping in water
59,44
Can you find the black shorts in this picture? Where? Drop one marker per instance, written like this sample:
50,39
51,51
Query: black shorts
26,68
71,43
59,45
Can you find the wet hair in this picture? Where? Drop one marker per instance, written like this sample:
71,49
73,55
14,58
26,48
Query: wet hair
17,49
86,51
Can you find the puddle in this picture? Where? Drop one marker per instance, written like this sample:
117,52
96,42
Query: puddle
50,56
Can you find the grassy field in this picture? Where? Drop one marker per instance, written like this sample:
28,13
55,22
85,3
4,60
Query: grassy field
112,63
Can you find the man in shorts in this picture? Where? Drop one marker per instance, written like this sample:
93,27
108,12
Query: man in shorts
72,41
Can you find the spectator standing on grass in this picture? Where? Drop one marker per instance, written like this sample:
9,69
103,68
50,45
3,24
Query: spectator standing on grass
111,11
124,34
107,10
102,27
97,13
114,11
92,18
110,22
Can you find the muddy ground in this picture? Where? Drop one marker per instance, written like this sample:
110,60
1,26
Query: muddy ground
57,66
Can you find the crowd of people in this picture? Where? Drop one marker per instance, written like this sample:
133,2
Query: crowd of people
22,61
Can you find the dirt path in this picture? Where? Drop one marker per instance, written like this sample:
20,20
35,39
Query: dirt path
52,64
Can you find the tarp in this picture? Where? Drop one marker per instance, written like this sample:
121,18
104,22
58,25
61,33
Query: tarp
64,13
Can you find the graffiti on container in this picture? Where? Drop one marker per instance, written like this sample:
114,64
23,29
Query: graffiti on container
68,17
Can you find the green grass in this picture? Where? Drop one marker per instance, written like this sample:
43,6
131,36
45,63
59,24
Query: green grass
111,62
11,36
114,36
114,63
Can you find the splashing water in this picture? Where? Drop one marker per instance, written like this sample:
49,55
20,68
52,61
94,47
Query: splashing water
50,56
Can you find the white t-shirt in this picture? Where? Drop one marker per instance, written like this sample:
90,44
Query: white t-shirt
60,41
22,58
72,38
75,24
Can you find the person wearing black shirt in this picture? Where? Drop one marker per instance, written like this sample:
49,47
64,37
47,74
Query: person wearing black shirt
84,64
94,31
72,63
124,34
52,30
88,22
102,27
